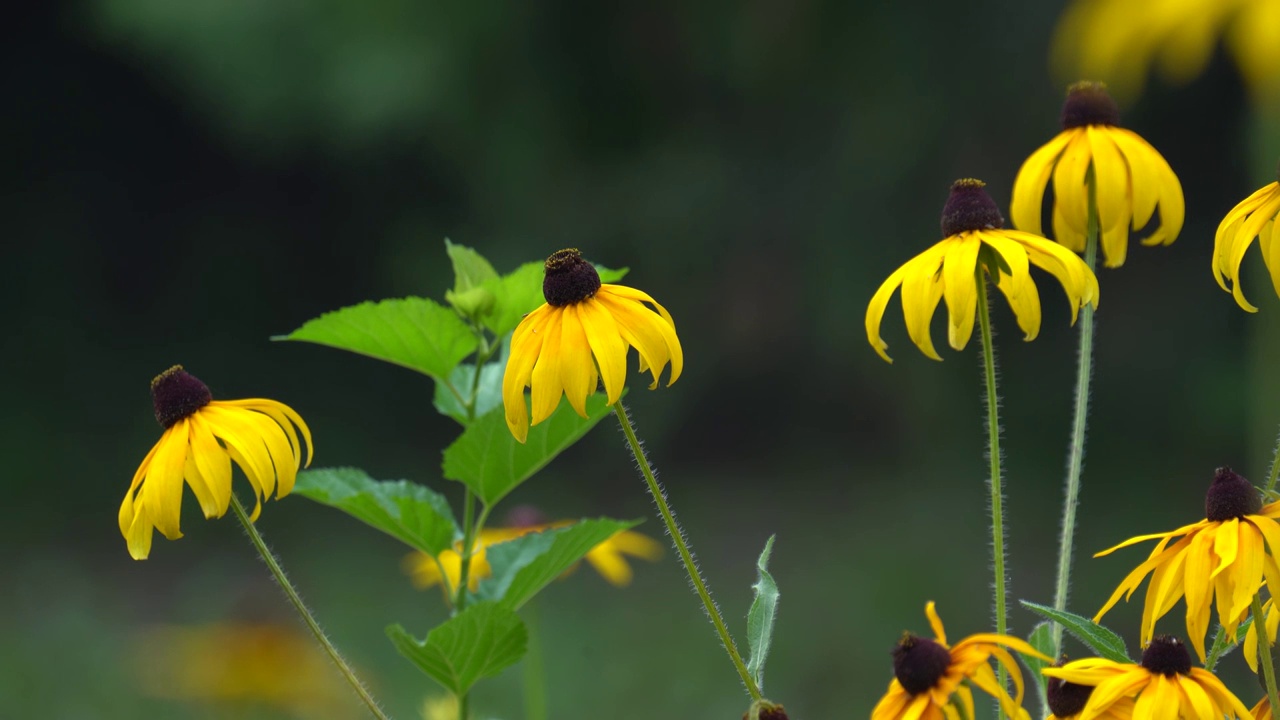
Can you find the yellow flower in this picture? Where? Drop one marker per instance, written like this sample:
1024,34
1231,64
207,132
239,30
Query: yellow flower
931,677
1223,556
1067,701
1254,217
608,558
581,335
1262,711
1272,623
1130,180
952,269
1120,40
201,438
1164,685
442,707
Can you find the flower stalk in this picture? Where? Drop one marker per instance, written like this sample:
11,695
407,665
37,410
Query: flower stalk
993,451
1264,649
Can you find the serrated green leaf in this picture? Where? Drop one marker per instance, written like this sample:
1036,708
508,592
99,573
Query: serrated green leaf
1102,641
477,643
761,616
523,566
412,332
1223,643
1041,638
411,513
488,395
487,459
470,272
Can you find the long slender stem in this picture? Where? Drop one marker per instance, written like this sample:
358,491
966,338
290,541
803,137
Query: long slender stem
682,546
270,559
993,449
468,540
1079,424
1275,470
1264,649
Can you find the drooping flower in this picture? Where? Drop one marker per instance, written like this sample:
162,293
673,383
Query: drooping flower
1067,701
579,336
201,438
951,269
1222,557
932,679
1255,217
1163,685
1129,178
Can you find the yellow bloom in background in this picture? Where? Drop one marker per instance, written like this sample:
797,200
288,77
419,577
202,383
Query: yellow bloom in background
1163,685
443,707
1272,622
951,269
1067,701
201,438
1262,711
1130,177
932,679
1223,556
579,336
1121,40
1254,217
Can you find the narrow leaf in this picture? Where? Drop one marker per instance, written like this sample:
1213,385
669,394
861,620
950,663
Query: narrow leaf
411,513
523,566
1041,638
487,459
1102,641
1223,644
761,616
488,392
413,332
477,643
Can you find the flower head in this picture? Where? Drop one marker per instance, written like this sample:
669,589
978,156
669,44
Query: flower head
973,238
201,438
1094,155
581,335
1067,701
1222,557
1254,217
1163,685
931,677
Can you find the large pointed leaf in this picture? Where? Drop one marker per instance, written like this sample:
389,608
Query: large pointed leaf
1102,641
414,332
523,566
477,643
487,459
488,392
760,618
406,511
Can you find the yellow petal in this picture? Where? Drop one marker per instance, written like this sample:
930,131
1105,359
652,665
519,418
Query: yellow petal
1033,177
129,508
162,490
607,345
643,330
1147,161
610,565
544,385
1111,174
666,329
1069,191
526,344
238,429
875,311
935,622
960,287
577,368
921,291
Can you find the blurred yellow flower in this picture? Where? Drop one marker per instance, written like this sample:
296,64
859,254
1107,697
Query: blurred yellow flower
952,269
240,663
201,438
1120,40
442,707
1129,178
1254,217
584,325
1262,711
1271,620
608,558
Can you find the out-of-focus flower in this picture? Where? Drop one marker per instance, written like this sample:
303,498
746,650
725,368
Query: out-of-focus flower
1120,40
1272,623
1255,217
973,241
238,663
442,707
1129,178
1262,711
201,438
584,325
1067,701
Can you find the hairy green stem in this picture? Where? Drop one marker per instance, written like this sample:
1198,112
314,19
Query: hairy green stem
993,449
1275,470
1264,649
682,546
278,573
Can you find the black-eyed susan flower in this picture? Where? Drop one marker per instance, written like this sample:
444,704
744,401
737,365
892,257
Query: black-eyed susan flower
974,239
1255,217
932,679
201,438
1163,685
1094,155
1067,701
579,336
1222,557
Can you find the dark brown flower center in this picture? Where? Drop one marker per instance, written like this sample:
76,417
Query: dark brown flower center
1067,698
969,207
1230,496
1089,103
919,663
1167,655
176,393
569,278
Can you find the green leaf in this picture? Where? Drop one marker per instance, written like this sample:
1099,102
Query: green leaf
761,616
470,271
487,459
520,292
411,513
477,643
413,332
1041,638
488,395
523,566
608,275
1102,641
1223,644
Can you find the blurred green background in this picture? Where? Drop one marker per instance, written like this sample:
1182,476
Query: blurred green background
183,180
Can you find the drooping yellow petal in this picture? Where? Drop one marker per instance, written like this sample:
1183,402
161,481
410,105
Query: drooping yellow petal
162,489
1227,702
1069,191
607,345
1078,281
1146,161
240,433
577,368
1271,252
644,330
935,623
1167,586
1033,177
921,291
1111,173
200,487
960,287
1025,302
610,565
284,416
526,344
1198,578
875,311
129,508
545,380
